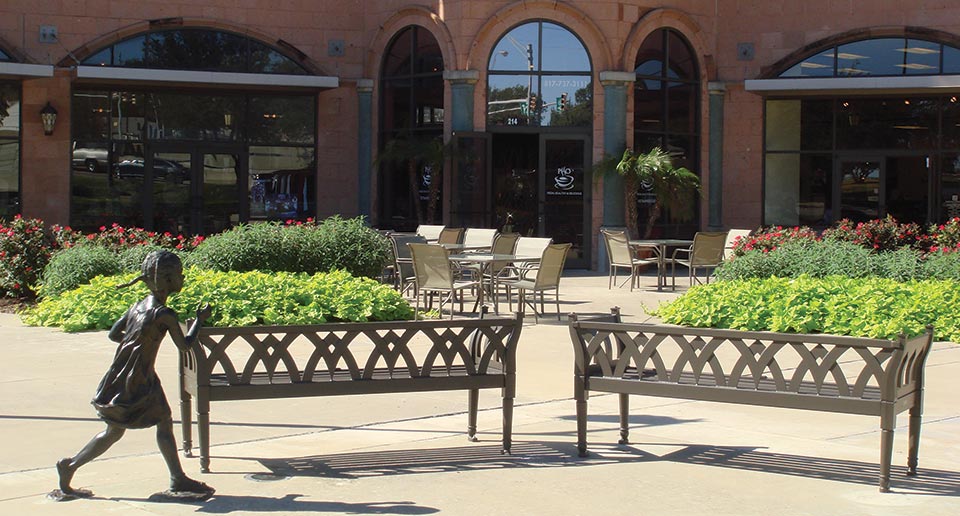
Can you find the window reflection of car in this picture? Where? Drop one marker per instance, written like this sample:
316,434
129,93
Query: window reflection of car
162,170
91,159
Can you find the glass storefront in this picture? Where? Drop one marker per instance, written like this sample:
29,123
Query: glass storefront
859,158
9,149
191,163
198,161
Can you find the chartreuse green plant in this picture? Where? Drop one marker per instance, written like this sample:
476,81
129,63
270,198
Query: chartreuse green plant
238,299
863,307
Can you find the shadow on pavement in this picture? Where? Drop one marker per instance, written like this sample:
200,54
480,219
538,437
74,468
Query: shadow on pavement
552,454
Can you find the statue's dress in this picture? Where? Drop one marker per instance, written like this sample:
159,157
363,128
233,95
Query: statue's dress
130,395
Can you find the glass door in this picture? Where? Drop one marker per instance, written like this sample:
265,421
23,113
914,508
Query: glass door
859,188
565,191
195,189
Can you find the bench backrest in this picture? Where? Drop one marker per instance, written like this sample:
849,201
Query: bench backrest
754,361
355,351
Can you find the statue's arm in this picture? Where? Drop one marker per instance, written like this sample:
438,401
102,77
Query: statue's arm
119,329
176,333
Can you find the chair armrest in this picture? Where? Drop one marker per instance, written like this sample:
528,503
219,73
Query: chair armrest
687,250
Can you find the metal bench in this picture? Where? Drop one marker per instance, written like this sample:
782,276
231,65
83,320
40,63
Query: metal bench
802,371
262,362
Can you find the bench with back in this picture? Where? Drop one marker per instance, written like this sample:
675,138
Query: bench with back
264,362
818,372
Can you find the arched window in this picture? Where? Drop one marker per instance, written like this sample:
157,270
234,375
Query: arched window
879,57
666,109
539,75
411,130
196,49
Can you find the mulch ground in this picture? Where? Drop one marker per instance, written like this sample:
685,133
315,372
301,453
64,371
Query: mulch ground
9,305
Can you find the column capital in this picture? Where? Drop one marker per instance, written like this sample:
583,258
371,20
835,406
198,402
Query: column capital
364,85
462,76
614,78
717,87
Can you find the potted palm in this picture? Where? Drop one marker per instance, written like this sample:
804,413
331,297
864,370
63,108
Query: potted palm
672,187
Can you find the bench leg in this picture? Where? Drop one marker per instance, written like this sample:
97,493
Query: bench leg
186,423
912,456
887,423
472,403
580,395
624,418
203,432
507,424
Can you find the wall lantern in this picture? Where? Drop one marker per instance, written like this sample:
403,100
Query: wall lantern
48,115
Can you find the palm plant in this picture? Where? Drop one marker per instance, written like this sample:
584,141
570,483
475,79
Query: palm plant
670,185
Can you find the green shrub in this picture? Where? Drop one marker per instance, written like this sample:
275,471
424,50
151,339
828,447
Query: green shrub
72,267
350,245
942,265
309,248
862,307
243,248
238,299
823,258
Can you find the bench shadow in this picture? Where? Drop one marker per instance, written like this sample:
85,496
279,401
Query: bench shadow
290,503
927,481
534,454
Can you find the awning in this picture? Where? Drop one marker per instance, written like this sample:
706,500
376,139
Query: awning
854,85
199,78
25,70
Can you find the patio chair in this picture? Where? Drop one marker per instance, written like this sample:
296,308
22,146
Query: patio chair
705,253
732,236
403,260
547,278
526,246
430,231
450,236
478,239
622,255
434,275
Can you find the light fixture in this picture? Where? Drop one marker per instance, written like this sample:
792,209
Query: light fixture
48,116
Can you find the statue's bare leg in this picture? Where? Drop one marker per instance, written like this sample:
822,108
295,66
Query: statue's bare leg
179,481
68,466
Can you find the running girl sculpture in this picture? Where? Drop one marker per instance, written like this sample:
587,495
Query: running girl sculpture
130,395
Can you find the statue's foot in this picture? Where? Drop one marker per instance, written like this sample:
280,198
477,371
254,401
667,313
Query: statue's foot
187,485
59,495
65,493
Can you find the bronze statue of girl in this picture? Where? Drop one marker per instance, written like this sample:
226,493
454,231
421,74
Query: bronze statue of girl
130,395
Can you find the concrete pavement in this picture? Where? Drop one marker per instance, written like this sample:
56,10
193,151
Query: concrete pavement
407,454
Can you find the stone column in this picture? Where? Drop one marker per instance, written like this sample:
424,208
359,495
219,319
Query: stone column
615,86
364,146
715,199
462,88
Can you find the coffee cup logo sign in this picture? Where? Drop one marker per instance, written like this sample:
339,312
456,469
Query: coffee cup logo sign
564,179
427,176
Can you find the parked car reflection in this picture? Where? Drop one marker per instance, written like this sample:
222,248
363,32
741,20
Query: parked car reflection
163,170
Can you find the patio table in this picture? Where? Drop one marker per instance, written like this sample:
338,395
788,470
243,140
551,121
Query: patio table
661,244
486,261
